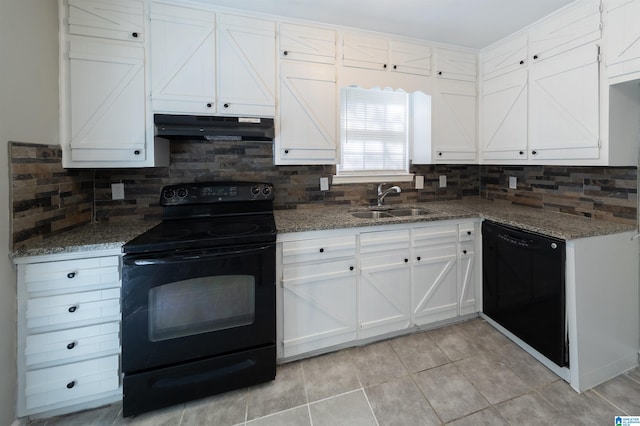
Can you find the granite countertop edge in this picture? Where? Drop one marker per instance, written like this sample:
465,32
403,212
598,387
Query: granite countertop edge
111,236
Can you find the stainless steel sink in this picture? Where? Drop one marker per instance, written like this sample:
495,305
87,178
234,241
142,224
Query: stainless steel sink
408,212
371,215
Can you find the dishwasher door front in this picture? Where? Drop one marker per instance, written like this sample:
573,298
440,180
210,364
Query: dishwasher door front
523,285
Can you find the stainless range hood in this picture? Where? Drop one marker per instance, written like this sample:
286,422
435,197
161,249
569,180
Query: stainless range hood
207,127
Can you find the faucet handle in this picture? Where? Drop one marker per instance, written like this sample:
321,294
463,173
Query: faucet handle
380,188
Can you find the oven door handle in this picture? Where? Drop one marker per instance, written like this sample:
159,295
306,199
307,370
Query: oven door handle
180,258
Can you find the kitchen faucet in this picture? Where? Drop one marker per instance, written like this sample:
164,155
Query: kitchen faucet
382,194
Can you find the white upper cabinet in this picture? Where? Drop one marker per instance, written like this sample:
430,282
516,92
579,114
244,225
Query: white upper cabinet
623,40
104,118
305,43
246,68
116,19
540,92
307,114
206,63
376,53
183,48
454,129
454,65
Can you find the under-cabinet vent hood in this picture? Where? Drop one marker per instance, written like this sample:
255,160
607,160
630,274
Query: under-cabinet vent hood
213,128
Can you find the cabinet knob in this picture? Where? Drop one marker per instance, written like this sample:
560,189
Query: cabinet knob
136,152
209,105
521,152
321,250
534,152
285,53
406,260
384,66
71,345
286,151
521,62
439,72
226,105
468,232
351,268
464,251
134,35
70,385
71,275
395,67
418,258
440,154
535,56
73,308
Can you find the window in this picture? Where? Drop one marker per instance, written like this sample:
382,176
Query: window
374,135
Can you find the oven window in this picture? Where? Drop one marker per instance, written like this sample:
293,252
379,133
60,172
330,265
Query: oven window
201,305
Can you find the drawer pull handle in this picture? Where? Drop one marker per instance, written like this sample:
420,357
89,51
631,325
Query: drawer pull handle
71,275
73,308
71,345
71,384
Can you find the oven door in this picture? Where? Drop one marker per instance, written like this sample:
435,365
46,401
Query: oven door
184,306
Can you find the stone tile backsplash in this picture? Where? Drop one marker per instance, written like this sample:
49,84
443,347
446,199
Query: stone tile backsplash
47,199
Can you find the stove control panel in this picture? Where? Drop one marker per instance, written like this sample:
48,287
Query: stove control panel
215,192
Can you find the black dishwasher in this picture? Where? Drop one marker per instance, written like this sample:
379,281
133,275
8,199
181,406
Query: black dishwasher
523,287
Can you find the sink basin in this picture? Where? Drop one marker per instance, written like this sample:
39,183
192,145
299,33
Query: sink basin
408,212
370,215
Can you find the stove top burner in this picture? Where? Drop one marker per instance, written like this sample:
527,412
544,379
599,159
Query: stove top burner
232,229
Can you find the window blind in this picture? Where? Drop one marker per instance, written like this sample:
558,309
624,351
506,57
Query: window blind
374,131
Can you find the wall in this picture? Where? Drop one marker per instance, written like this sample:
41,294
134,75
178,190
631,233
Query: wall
28,112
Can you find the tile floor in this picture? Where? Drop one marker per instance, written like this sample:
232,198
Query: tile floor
463,374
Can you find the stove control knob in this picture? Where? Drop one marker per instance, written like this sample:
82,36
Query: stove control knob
266,190
182,192
255,190
169,194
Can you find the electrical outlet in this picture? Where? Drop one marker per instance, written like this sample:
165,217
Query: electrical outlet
419,182
443,181
513,182
324,184
117,191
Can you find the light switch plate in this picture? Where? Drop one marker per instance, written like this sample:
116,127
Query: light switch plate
513,182
117,191
443,181
419,182
324,184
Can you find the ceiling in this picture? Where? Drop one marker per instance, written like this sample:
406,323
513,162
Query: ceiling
470,23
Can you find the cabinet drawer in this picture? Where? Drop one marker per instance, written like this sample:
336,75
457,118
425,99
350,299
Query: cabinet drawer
467,232
70,275
318,271
54,385
426,253
434,235
304,43
371,242
318,249
73,308
83,341
114,19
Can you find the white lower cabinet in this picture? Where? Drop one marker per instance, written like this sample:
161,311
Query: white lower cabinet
68,332
341,286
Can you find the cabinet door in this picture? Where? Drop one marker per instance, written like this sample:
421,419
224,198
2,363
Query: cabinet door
623,33
506,57
410,58
455,122
114,19
319,306
573,27
454,65
309,44
384,302
246,66
307,114
564,111
503,117
467,279
363,51
182,60
106,101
